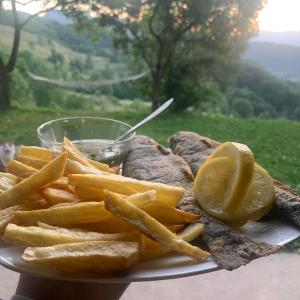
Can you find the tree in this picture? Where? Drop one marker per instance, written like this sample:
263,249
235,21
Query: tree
154,30
6,68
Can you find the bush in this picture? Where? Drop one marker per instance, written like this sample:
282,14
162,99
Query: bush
242,107
20,88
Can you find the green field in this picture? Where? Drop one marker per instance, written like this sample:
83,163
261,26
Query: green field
274,142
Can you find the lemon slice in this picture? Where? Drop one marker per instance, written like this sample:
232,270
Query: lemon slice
242,172
259,198
211,185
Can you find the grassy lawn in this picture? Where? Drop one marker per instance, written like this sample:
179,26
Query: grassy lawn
274,142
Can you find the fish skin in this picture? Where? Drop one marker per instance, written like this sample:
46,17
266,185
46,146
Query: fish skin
194,149
230,249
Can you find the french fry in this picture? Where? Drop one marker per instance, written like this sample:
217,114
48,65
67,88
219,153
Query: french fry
19,169
150,227
75,167
154,249
7,215
115,225
32,161
36,203
86,194
33,236
140,199
66,214
75,154
114,236
55,196
49,173
24,171
9,176
165,194
61,183
101,166
6,183
36,152
96,257
169,215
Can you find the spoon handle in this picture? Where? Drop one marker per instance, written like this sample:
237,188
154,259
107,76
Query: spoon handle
150,117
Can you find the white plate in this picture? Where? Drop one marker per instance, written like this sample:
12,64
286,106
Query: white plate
171,266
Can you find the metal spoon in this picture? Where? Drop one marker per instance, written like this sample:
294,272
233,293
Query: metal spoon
150,117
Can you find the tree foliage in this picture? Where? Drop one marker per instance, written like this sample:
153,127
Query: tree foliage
160,32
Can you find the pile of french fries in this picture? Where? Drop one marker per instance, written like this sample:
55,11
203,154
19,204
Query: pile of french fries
79,216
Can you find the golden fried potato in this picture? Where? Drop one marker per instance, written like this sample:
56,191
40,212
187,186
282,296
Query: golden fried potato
75,154
154,249
89,194
7,215
39,237
32,161
66,214
150,227
10,177
96,257
169,215
61,183
48,174
55,196
165,194
36,152
19,169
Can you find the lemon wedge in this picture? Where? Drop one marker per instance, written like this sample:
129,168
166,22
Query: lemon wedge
231,187
238,181
211,185
259,198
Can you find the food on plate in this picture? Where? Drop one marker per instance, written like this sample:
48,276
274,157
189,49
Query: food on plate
286,205
35,236
19,169
154,249
61,214
56,196
36,152
33,162
220,179
239,174
76,155
6,182
89,194
151,227
48,174
7,215
229,248
66,214
95,257
169,215
169,195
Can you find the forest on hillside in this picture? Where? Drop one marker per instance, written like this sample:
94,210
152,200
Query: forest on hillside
213,84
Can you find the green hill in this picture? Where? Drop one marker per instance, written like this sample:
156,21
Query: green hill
273,142
63,34
41,47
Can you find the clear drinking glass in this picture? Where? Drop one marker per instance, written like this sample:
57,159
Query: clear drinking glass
91,135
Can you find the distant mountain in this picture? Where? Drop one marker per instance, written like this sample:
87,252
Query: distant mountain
281,60
291,38
58,17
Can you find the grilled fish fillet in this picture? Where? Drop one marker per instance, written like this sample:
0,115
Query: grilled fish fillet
194,149
230,249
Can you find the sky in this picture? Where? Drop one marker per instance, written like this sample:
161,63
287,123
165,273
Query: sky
281,15
278,15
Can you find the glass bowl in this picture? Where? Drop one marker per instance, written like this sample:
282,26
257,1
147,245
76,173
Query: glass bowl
91,135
